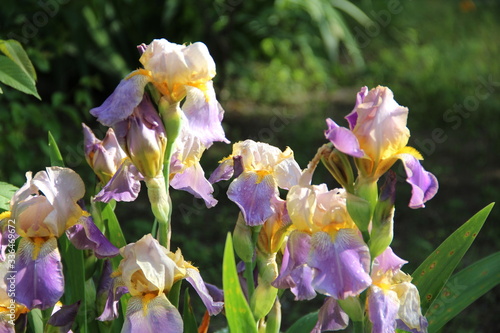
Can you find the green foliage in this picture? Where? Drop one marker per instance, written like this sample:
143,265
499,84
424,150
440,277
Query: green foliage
238,313
462,289
6,193
304,324
432,274
16,69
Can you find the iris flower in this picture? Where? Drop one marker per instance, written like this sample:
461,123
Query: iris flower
148,271
43,209
377,137
174,72
325,253
392,300
259,170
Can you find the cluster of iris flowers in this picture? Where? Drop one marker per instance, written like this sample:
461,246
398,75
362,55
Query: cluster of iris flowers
314,240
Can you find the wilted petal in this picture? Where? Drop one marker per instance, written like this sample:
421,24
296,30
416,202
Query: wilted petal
343,139
341,266
121,103
294,272
194,278
39,274
204,114
409,309
114,289
252,193
86,235
331,317
423,326
152,315
124,186
424,184
192,180
64,317
382,309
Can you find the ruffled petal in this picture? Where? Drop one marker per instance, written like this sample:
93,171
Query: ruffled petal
382,309
86,235
192,180
204,114
253,193
124,186
331,317
352,117
194,278
294,272
224,171
121,103
424,184
342,266
387,261
39,274
343,139
154,315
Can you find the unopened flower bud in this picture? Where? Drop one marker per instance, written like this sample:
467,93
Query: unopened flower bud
105,156
146,139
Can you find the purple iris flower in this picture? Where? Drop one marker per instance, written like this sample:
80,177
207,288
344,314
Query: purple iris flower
43,209
377,137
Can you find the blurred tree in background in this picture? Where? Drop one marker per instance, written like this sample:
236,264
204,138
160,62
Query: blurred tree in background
283,67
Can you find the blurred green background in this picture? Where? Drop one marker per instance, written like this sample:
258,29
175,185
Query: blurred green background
283,67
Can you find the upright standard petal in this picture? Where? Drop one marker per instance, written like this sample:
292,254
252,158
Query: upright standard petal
380,124
86,235
250,191
341,266
39,274
150,314
122,102
424,184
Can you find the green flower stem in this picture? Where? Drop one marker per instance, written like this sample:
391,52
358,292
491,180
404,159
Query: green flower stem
161,207
250,265
358,327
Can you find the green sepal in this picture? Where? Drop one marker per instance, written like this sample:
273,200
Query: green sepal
262,299
243,243
462,289
238,313
273,320
432,274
